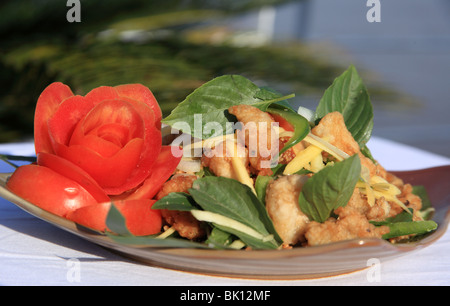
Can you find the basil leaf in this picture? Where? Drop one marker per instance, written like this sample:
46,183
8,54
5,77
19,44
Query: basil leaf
115,221
231,199
278,170
402,224
210,102
408,228
261,183
421,192
329,189
269,97
404,216
249,240
348,95
219,239
176,201
205,172
366,152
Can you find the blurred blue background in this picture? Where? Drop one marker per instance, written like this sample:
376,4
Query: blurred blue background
292,46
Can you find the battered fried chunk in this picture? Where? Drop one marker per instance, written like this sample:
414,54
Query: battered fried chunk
282,206
219,159
332,126
259,135
349,225
182,221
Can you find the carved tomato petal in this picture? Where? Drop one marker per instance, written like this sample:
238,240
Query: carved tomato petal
46,106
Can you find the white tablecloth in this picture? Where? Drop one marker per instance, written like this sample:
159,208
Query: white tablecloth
33,252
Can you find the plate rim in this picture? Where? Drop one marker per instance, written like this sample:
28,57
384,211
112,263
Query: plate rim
214,254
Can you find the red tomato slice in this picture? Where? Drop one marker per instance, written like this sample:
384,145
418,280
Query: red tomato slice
102,93
162,169
73,172
110,173
139,92
283,123
66,118
150,151
140,219
49,190
46,106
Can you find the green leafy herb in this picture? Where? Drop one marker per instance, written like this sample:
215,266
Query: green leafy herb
230,198
329,189
398,229
427,211
176,201
403,224
348,95
119,233
261,183
223,240
278,170
421,192
268,97
115,221
230,206
219,239
404,216
210,103
250,236
204,172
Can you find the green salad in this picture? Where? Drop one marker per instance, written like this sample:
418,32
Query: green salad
258,174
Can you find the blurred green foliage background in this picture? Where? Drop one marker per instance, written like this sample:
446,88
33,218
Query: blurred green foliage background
171,46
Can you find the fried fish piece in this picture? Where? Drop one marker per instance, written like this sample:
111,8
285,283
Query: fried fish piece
260,137
219,160
282,206
332,127
349,225
182,221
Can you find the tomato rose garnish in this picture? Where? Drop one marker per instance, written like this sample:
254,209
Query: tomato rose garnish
94,148
112,134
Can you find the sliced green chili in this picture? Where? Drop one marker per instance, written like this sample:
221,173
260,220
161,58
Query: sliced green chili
299,123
